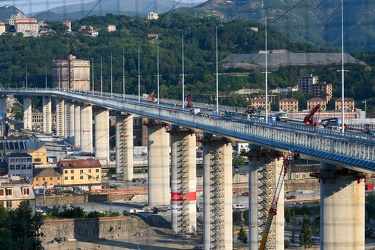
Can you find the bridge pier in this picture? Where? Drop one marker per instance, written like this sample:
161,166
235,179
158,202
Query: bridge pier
47,114
102,135
342,208
217,193
60,117
158,164
27,113
183,182
77,125
86,129
124,146
70,135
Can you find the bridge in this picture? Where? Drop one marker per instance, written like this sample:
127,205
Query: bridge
345,159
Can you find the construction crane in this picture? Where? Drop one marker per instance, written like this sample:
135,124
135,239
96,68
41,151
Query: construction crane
188,102
309,119
273,209
151,97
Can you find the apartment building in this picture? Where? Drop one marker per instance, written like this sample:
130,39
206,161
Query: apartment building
313,102
288,105
14,190
348,104
27,26
20,164
47,177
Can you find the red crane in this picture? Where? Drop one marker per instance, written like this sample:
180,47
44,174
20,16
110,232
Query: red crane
151,98
188,102
309,119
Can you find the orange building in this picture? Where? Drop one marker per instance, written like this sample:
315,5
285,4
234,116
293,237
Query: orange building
288,105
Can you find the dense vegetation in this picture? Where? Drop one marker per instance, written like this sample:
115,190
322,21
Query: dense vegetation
131,44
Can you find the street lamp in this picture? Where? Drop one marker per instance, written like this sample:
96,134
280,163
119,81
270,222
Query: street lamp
365,102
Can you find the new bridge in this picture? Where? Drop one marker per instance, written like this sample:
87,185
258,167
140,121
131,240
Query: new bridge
345,159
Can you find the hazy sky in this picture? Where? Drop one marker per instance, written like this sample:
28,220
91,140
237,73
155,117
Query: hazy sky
32,6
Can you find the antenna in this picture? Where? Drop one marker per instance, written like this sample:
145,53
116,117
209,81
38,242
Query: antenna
183,71
157,64
92,77
217,77
101,76
123,75
111,77
139,76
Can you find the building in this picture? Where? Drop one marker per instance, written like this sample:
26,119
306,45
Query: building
47,177
20,164
27,26
111,28
38,152
305,83
68,24
320,88
84,174
288,105
14,190
152,16
2,28
313,102
348,104
71,74
37,120
260,103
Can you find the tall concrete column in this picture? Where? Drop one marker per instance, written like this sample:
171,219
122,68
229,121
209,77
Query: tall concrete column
342,208
27,113
86,129
67,117
60,117
265,167
124,146
47,114
71,123
77,125
102,135
217,193
183,183
158,165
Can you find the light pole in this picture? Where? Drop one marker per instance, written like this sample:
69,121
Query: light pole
365,102
266,60
217,78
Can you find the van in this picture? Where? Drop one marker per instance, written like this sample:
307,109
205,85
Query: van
238,206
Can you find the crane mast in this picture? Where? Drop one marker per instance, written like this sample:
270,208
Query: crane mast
273,209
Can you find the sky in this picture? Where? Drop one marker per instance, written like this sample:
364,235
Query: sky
32,6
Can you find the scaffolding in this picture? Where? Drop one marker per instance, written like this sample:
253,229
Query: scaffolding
266,191
218,200
122,149
183,219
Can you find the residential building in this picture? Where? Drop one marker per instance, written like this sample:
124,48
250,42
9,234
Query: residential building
111,28
322,87
311,103
288,105
47,177
68,24
2,28
85,174
71,74
348,104
38,152
305,83
27,26
152,16
20,164
14,190
260,103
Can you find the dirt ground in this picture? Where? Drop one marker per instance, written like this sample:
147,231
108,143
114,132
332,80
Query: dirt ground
152,239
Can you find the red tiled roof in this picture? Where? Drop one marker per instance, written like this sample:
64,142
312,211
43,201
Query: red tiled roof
76,163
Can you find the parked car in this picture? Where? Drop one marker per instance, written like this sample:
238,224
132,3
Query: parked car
238,206
245,194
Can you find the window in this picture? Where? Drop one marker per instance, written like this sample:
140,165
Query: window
89,170
65,171
58,178
72,177
9,191
1,191
72,171
50,178
44,179
36,178
9,204
97,177
81,171
81,177
66,178
26,191
97,170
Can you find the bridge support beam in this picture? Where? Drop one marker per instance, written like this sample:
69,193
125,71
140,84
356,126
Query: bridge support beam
27,113
60,117
102,135
158,164
342,208
86,129
77,125
264,170
183,183
124,147
217,193
47,114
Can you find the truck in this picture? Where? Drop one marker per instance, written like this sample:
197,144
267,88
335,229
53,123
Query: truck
195,111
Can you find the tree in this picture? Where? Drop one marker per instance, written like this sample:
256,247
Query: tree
242,235
305,238
25,227
238,160
246,215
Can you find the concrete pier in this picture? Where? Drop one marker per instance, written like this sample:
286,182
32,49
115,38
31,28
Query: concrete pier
27,113
217,193
77,125
124,146
342,208
158,169
47,114
86,129
71,123
60,117
183,182
102,135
